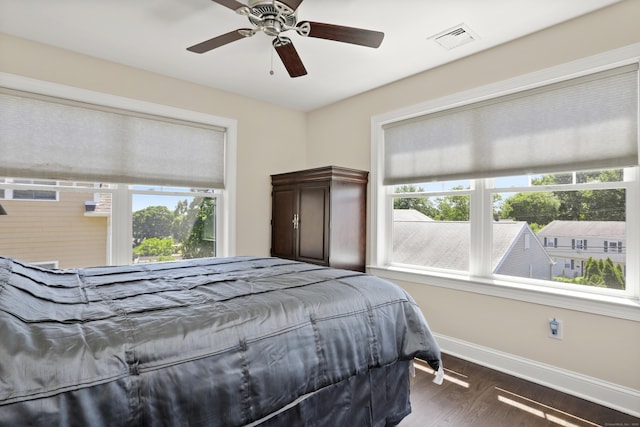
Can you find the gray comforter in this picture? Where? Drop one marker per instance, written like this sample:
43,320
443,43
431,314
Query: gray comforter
219,342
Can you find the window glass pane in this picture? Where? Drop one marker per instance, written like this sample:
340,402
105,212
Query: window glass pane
431,187
173,227
511,181
62,232
32,194
580,234
432,231
166,189
610,175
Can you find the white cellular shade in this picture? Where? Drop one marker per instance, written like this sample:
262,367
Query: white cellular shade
590,122
48,139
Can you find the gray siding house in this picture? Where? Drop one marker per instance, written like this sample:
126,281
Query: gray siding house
572,243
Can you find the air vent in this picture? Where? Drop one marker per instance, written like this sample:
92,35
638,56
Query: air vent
455,37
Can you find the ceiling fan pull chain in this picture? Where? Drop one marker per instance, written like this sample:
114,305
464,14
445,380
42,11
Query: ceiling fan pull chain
271,70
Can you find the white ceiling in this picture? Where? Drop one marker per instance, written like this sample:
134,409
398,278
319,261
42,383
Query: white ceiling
154,34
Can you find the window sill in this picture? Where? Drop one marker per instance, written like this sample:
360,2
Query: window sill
97,214
605,305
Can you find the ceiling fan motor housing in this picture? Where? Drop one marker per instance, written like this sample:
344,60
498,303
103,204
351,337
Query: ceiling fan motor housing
272,17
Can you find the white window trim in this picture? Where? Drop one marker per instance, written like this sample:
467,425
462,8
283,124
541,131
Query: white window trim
9,186
381,213
227,208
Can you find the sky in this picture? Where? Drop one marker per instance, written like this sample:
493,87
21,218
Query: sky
141,201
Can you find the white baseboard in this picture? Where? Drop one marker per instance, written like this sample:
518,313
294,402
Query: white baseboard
614,396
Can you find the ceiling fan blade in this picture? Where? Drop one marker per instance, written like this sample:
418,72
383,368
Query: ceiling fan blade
340,33
289,56
231,4
293,4
215,42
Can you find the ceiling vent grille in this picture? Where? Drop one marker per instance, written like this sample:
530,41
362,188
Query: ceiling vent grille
455,37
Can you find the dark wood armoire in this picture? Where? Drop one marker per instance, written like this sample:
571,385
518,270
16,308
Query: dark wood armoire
319,216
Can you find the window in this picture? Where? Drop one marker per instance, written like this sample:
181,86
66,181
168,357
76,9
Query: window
534,170
164,224
31,190
613,246
580,244
173,223
573,205
110,143
432,229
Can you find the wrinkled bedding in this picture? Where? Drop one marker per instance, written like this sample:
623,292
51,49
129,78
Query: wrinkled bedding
209,342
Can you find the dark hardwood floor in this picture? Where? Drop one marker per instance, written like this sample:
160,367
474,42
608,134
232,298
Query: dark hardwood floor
472,395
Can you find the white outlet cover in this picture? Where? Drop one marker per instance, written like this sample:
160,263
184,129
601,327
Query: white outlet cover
560,332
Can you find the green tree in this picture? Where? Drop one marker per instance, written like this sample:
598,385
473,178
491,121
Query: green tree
453,208
592,274
535,208
446,208
421,204
153,221
180,227
612,277
588,205
200,241
603,273
154,246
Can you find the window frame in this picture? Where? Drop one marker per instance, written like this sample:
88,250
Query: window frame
624,305
9,191
121,249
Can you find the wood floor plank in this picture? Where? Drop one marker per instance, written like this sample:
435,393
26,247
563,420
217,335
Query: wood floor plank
472,395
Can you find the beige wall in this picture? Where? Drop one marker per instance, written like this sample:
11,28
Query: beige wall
260,152
597,346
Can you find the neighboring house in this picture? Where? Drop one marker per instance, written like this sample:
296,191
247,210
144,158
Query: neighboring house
53,228
419,240
572,243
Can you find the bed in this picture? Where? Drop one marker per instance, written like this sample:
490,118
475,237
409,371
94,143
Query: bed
240,341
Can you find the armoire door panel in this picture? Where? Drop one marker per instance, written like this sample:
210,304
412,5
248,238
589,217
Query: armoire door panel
313,223
282,227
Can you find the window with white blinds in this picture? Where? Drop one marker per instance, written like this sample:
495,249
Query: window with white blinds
566,125
69,140
452,177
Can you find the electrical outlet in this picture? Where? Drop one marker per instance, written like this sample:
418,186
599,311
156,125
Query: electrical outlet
556,328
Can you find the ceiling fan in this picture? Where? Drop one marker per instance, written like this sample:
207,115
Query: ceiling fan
274,17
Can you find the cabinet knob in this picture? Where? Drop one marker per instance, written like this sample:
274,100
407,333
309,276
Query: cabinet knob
296,221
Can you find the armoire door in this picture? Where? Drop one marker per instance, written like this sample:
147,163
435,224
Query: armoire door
284,222
313,223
